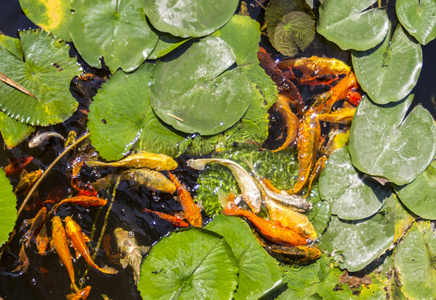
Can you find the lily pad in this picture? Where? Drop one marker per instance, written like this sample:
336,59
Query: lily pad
419,195
13,131
165,44
45,69
52,16
8,211
351,25
418,17
258,272
203,97
414,264
187,18
390,71
121,114
358,243
351,194
190,264
384,143
115,30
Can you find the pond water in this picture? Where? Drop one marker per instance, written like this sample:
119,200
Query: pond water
46,278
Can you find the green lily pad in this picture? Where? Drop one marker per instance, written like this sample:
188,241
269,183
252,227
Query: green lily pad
419,195
319,216
390,71
203,97
418,18
8,212
258,272
414,264
165,44
351,25
45,69
115,30
190,264
384,143
187,18
121,114
358,243
351,194
50,15
13,131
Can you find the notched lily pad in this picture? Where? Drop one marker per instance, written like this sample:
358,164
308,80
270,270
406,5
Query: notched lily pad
45,69
384,143
8,212
390,71
418,17
189,264
13,131
193,91
187,18
115,30
351,194
351,25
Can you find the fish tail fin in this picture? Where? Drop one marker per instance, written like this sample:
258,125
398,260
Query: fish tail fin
231,210
94,163
108,270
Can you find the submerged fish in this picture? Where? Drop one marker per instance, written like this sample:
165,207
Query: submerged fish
153,180
26,181
17,165
141,159
132,252
81,294
41,137
82,200
175,220
36,224
250,191
77,237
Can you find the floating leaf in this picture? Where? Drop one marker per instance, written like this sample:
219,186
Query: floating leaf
358,243
8,212
390,71
121,114
203,97
45,70
190,264
351,25
418,17
319,216
50,15
187,18
13,131
385,144
115,30
414,264
351,194
258,272
165,44
419,195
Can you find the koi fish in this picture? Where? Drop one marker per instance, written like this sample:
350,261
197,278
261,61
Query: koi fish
71,138
273,232
78,239
249,190
23,261
83,201
141,159
17,165
36,224
61,246
42,240
26,181
41,137
81,294
191,212
132,252
151,179
176,221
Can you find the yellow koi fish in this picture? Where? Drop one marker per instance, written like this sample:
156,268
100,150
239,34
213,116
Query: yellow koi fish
151,179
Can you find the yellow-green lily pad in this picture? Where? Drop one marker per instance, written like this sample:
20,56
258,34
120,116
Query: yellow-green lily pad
8,211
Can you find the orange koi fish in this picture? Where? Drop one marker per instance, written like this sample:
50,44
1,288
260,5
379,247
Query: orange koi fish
81,294
17,165
77,237
23,261
151,179
61,246
83,201
273,232
26,181
191,212
37,223
141,159
176,221
42,240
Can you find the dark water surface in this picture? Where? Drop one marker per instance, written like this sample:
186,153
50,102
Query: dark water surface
46,278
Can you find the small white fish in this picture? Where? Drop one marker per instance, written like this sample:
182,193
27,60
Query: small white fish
41,137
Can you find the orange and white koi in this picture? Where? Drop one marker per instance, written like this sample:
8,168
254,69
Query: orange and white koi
81,294
191,212
61,246
273,232
26,181
78,238
175,220
82,200
17,165
153,180
141,159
